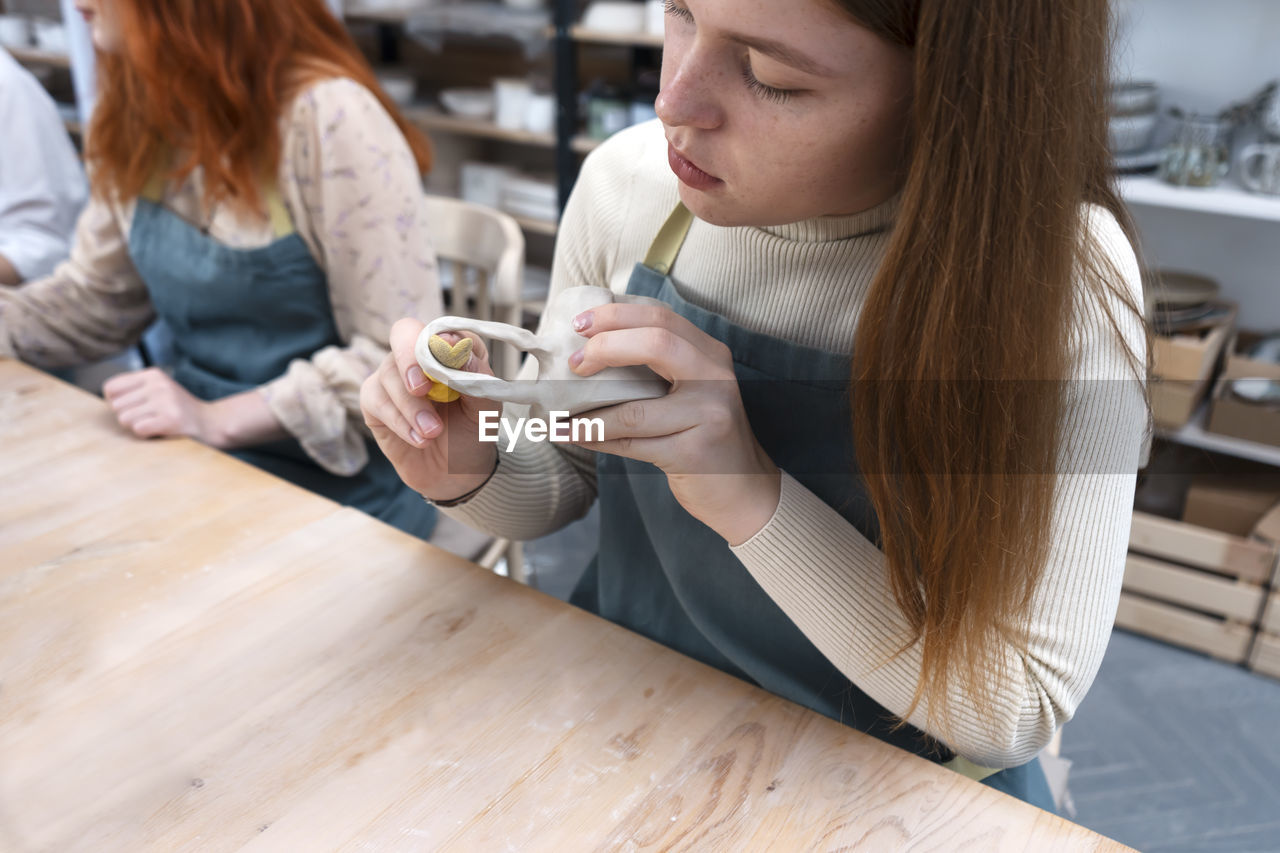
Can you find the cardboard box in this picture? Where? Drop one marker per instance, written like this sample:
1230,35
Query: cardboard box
1182,367
1235,416
1191,357
1232,504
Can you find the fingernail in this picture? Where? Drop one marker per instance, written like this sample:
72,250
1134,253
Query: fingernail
582,321
414,437
415,378
576,358
427,422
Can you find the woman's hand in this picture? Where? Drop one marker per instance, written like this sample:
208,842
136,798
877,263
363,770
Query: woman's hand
698,434
435,447
150,403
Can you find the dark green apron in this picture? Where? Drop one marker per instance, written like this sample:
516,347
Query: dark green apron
664,574
238,317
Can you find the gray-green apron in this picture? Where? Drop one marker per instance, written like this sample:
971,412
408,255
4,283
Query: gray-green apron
666,575
238,317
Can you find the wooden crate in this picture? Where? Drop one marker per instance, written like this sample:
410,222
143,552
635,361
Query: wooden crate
1195,587
1265,657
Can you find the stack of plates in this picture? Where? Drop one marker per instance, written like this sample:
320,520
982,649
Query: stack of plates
532,198
1182,302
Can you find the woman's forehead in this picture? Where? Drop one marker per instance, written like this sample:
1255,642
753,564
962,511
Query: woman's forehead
818,36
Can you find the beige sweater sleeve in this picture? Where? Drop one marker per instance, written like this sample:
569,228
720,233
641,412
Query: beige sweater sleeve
350,183
91,306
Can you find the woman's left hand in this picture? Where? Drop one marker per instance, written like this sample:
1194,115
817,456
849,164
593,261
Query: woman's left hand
698,434
150,403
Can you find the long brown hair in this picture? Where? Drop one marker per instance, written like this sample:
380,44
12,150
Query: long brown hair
209,79
963,348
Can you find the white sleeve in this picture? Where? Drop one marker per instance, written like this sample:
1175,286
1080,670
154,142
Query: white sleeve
42,186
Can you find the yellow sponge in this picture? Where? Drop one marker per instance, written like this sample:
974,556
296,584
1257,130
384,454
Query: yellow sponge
455,356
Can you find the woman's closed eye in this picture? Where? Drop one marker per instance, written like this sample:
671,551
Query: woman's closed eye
761,90
765,91
674,9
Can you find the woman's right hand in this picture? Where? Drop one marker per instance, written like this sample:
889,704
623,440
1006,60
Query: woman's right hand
435,447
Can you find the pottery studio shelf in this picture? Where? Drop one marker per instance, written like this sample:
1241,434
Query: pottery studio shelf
32,56
433,119
1226,199
1194,434
536,226
584,34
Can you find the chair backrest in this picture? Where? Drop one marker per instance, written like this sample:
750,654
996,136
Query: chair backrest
481,256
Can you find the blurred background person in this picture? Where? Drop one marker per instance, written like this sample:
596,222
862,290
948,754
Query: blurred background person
42,187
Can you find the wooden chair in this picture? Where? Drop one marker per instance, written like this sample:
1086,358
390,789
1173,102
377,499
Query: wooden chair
480,252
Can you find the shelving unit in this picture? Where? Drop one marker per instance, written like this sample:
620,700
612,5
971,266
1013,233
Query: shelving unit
582,34
536,226
32,56
1193,434
1225,199
433,119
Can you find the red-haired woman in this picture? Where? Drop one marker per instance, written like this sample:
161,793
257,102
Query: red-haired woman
915,194
254,189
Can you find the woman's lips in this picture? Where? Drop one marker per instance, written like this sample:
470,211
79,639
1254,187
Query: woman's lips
689,173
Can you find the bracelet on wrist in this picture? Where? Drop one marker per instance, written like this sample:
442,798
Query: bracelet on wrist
461,499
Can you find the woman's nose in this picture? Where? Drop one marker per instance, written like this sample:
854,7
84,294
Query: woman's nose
689,95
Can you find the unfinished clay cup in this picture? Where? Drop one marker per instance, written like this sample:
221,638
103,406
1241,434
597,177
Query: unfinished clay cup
557,388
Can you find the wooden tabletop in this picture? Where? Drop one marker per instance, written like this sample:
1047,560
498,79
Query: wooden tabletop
197,656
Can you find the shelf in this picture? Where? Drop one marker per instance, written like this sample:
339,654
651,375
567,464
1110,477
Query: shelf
1193,434
1225,199
601,37
584,144
433,119
32,56
536,226
379,16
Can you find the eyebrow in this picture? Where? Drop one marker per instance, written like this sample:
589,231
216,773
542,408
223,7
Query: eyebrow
783,53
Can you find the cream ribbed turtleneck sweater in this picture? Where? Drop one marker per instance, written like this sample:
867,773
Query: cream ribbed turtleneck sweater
806,282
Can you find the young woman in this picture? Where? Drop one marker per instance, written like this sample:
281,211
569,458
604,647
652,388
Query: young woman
253,188
892,479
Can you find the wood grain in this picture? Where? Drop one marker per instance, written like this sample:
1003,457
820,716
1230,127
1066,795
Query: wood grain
196,656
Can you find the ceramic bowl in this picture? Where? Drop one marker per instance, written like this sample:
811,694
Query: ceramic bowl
1135,97
468,103
399,87
1132,132
50,36
15,31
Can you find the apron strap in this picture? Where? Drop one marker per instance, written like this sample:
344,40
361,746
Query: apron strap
666,245
965,767
281,222
153,189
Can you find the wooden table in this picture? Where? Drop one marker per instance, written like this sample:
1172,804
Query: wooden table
197,656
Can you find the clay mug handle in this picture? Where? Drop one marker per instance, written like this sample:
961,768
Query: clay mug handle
1255,161
480,384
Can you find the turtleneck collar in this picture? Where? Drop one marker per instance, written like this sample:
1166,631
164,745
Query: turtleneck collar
823,229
